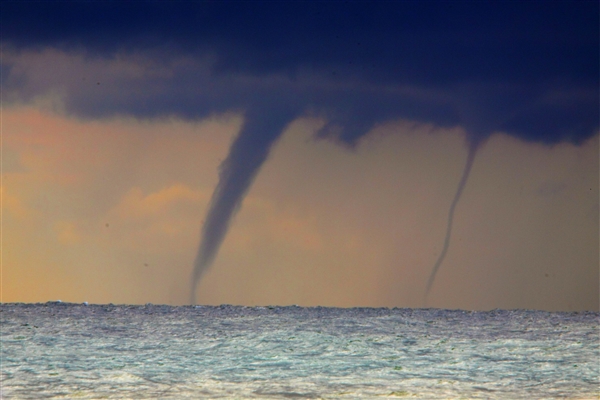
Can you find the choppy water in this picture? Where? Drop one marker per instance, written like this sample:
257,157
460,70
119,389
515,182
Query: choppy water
58,350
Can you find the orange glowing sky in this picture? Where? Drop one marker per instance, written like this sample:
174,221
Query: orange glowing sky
111,210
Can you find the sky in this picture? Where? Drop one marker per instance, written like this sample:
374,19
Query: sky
304,153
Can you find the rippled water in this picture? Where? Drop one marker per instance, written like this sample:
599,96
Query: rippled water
58,350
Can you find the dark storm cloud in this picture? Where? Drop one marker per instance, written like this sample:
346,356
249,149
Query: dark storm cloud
527,68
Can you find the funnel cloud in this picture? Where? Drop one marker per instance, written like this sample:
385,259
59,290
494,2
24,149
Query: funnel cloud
473,146
247,153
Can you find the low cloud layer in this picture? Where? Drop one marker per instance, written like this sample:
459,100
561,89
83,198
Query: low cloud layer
524,69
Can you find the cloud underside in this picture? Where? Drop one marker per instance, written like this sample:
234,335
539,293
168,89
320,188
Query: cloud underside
143,86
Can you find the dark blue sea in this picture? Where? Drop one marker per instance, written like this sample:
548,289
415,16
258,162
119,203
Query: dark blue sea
78,351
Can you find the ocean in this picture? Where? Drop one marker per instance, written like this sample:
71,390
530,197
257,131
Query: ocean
64,350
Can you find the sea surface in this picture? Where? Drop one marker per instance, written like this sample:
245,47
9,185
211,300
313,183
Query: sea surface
79,351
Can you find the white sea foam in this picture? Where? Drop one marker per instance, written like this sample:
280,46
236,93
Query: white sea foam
63,350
